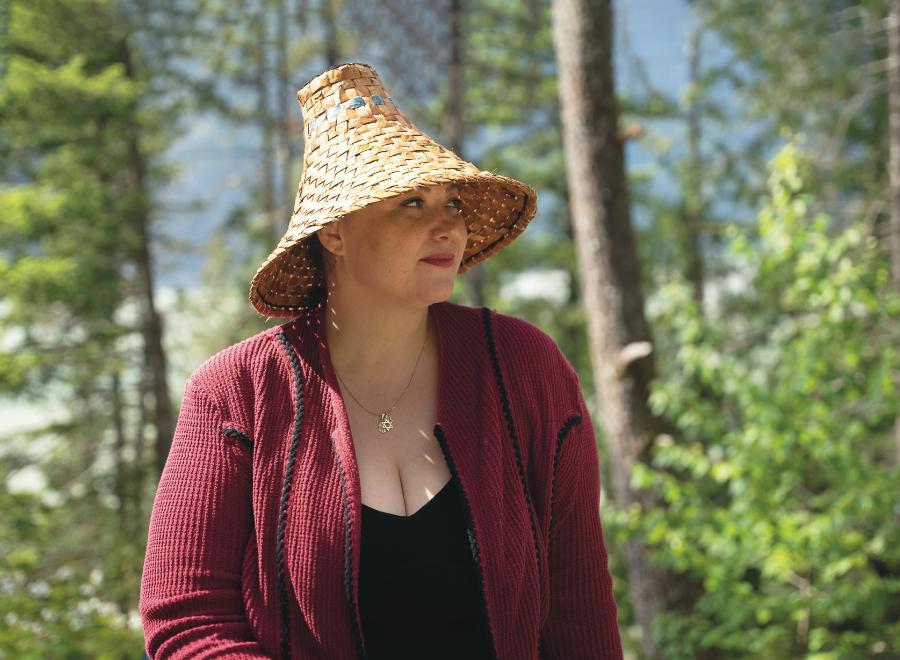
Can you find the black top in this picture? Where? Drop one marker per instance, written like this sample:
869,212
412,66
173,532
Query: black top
419,595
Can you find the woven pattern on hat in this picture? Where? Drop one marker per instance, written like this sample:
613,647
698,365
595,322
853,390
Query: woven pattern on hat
360,148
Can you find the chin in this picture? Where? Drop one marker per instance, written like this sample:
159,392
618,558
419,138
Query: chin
436,294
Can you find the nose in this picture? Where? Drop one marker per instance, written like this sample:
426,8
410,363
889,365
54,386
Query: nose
452,226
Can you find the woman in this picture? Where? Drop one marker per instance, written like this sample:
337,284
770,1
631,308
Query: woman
386,474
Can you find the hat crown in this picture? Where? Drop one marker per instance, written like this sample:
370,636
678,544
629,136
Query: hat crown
343,93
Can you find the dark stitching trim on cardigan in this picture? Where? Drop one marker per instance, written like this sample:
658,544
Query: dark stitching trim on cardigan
507,411
232,432
285,495
348,558
569,424
470,530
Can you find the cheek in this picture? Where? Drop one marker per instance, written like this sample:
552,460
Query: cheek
387,255
401,246
463,231
394,249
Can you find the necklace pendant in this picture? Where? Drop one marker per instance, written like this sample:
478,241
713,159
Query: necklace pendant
385,423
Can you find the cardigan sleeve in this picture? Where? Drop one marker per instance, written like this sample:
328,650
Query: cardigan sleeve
191,604
582,618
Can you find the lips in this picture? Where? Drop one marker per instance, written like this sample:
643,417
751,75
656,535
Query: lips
443,259
439,256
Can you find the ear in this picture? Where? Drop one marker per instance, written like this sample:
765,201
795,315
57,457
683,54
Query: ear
331,238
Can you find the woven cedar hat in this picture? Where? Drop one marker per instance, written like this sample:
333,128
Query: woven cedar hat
360,148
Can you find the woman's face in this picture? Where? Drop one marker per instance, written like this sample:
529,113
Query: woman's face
380,249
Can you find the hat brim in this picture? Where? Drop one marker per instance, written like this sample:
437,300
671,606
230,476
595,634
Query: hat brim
496,209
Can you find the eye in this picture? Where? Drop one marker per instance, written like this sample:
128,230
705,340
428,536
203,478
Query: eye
456,201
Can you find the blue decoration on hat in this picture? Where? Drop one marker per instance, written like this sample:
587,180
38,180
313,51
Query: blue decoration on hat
355,102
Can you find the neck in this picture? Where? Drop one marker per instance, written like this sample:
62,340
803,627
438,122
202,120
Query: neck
373,340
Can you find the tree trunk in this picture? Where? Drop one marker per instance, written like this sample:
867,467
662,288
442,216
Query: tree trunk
894,160
694,206
453,118
267,149
329,11
120,483
143,462
154,353
124,531
453,110
286,110
620,342
300,14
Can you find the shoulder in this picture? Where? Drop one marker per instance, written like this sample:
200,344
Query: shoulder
485,320
538,376
528,347
234,374
528,357
235,359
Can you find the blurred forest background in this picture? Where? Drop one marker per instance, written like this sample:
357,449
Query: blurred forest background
732,305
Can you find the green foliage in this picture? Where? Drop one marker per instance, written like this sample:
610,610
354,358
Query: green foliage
777,487
816,66
51,599
75,154
779,490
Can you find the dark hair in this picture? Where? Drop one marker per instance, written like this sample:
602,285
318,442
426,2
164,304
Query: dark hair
322,260
314,250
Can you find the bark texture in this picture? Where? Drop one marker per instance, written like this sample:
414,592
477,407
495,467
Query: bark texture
619,337
894,163
152,329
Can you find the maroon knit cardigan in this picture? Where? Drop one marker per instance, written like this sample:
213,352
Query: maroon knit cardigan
253,546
